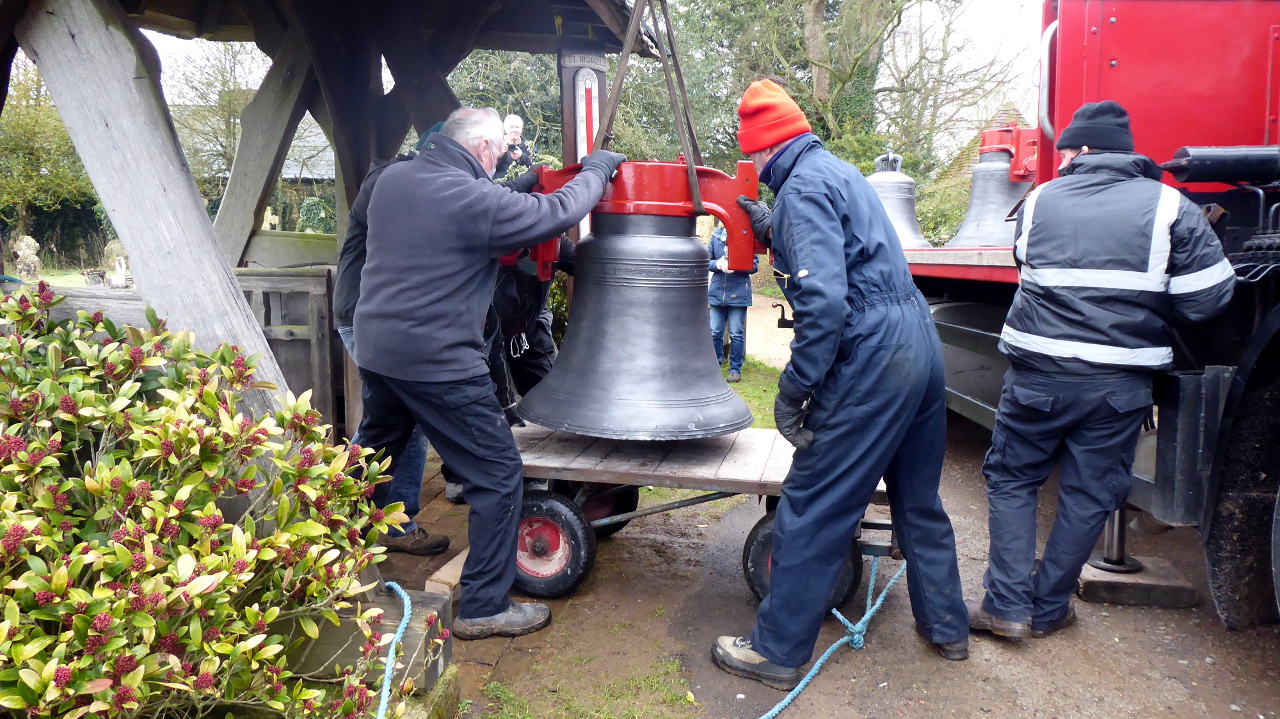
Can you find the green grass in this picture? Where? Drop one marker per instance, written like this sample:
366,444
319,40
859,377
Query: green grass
63,278
759,387
659,694
506,704
771,290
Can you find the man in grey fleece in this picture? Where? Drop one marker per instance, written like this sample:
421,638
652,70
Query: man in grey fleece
437,226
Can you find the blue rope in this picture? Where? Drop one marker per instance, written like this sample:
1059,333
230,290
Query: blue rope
854,638
390,667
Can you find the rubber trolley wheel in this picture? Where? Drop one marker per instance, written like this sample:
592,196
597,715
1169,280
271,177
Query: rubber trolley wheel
756,562
555,547
603,500
1275,551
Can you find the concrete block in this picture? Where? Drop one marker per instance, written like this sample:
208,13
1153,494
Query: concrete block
421,659
1159,584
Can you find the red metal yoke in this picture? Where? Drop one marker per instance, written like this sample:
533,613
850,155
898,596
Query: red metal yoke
662,188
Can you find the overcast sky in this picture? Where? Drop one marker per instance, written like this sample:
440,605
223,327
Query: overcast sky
1009,29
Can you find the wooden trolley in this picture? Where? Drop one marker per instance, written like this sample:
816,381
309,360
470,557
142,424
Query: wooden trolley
580,489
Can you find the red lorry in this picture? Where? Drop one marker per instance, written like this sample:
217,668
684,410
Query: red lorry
1201,81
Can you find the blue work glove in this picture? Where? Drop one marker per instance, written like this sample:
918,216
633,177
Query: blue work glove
761,219
603,163
789,411
523,183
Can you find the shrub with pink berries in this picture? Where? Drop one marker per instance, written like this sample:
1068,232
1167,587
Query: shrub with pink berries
136,583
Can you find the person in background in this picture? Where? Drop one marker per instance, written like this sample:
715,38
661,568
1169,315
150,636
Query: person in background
729,296
1109,259
517,152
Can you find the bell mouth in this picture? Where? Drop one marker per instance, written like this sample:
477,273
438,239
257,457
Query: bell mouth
713,416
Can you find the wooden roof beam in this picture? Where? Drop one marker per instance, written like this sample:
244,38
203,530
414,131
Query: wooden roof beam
350,76
122,128
10,14
210,19
422,88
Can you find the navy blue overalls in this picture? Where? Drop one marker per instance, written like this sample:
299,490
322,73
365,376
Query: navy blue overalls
867,352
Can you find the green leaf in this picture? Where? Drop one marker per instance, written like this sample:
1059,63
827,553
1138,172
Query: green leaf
308,626
143,620
10,699
30,678
282,511
34,647
307,528
58,584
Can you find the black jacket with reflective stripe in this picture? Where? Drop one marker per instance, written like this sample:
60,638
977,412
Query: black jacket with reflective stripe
1109,258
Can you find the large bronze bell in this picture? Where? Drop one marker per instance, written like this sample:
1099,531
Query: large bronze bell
897,192
637,360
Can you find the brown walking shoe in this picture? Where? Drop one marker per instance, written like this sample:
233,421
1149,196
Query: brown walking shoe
1044,630
517,620
419,542
736,656
983,620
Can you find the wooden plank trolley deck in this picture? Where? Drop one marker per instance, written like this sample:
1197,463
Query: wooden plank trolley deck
580,489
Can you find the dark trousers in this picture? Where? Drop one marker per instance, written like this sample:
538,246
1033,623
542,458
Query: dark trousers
465,424
530,354
1092,428
880,412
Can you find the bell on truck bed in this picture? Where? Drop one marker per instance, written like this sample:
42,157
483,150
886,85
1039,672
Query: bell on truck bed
897,192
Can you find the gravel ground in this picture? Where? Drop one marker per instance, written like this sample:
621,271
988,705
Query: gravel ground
634,640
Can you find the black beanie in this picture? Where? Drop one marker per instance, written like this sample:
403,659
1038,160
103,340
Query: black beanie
1098,126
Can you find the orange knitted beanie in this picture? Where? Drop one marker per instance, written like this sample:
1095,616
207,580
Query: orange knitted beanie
768,116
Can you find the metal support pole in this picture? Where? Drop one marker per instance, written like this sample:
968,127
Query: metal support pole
615,519
1114,556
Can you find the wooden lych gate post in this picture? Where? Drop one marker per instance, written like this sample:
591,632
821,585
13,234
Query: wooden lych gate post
105,78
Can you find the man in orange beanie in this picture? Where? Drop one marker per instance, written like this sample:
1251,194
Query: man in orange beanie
862,398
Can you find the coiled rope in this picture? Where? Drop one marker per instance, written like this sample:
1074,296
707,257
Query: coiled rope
854,637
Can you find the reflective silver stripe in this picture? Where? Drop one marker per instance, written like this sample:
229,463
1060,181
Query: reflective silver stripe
1155,279
1161,227
1087,351
1203,279
1109,279
1028,208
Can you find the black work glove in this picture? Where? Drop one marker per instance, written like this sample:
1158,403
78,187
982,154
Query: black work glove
761,219
523,183
789,411
513,419
603,163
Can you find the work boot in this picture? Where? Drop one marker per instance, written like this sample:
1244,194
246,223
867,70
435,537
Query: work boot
1044,630
983,620
735,375
453,493
518,620
951,651
736,656
419,542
